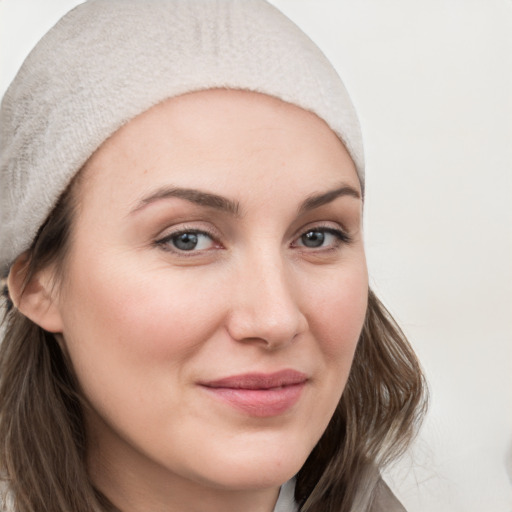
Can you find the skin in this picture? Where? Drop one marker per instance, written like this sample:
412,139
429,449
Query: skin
145,323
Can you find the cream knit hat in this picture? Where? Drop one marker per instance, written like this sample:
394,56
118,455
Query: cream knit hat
107,61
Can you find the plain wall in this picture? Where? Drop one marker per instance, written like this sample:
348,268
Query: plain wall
432,81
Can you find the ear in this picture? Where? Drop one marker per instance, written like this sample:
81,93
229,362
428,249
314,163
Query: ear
36,298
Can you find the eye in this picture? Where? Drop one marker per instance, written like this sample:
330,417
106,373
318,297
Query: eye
318,238
187,241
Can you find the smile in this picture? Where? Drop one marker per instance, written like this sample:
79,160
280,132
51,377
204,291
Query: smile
260,395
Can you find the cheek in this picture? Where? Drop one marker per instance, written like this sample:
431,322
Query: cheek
133,338
121,298
130,324
337,313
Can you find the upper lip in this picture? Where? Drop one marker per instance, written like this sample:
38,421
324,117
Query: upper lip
259,380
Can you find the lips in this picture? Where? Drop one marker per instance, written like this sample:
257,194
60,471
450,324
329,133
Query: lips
260,380
259,394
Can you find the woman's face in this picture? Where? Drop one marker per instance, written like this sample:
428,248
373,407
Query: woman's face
214,292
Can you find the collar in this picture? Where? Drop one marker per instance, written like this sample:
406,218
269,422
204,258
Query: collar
286,501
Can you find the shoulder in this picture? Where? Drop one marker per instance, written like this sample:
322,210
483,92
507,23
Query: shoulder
384,500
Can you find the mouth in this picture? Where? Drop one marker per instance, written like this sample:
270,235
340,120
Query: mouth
259,394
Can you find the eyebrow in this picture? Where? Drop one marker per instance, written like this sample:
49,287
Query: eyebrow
224,204
194,196
317,200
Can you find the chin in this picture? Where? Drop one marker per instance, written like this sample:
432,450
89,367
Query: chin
263,467
253,477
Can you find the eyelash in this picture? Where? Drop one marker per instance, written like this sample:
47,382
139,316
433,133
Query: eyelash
164,243
342,237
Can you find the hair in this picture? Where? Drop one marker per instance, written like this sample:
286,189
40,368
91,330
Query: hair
43,440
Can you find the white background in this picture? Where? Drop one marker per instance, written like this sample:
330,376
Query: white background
432,81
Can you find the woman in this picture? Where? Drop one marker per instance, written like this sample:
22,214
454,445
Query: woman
190,326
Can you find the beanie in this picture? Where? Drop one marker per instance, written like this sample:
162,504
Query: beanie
107,61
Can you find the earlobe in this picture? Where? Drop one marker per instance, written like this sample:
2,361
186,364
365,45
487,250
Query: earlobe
34,298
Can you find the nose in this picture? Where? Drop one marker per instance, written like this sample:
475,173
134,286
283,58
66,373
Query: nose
265,304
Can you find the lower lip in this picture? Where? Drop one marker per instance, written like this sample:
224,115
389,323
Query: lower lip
261,403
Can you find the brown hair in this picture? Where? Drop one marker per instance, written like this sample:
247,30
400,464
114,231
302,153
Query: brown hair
43,440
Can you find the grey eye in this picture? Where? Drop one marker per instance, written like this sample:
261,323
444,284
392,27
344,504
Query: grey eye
188,241
313,239
185,241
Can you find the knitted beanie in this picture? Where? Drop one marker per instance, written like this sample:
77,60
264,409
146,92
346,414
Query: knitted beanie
107,61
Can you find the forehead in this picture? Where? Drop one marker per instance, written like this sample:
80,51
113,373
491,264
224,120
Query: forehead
217,136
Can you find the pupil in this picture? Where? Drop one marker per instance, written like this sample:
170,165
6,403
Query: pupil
313,239
186,241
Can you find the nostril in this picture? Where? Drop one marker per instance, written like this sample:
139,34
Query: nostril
270,325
